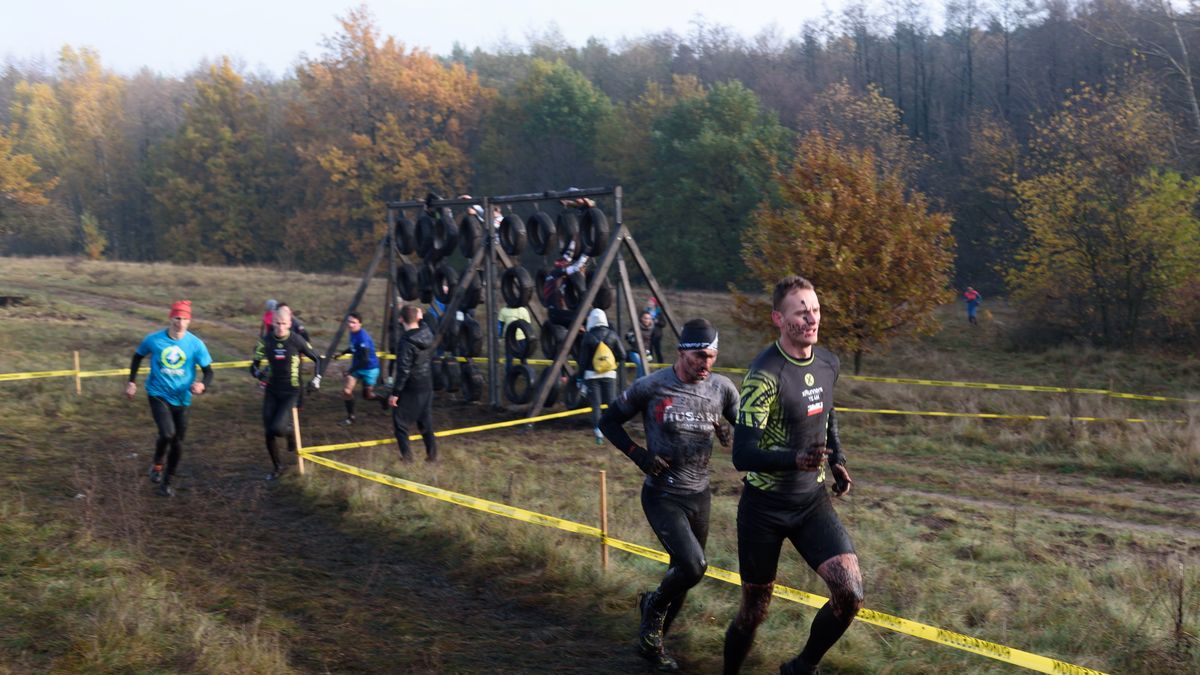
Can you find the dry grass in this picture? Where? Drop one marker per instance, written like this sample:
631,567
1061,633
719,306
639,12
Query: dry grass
1073,540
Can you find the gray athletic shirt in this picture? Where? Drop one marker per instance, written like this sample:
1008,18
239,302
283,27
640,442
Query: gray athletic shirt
678,419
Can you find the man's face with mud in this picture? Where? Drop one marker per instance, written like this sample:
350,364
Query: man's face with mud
799,318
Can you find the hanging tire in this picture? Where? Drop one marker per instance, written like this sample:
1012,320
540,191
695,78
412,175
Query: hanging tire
470,338
556,387
566,226
516,286
469,235
425,282
406,282
445,233
571,396
575,289
424,237
605,295
451,373
513,346
474,292
552,336
450,337
519,384
512,234
472,383
542,235
406,235
594,231
444,277
438,377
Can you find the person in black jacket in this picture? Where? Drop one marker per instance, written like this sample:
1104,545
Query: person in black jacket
600,374
412,392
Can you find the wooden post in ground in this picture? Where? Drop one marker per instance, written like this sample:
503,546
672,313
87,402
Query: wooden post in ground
78,381
296,435
603,520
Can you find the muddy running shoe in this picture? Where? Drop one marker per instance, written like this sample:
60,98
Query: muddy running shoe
276,474
156,471
347,422
598,435
650,635
165,490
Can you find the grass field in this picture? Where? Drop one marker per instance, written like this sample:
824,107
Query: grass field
1079,541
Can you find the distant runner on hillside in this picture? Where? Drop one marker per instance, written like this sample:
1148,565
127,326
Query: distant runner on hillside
973,299
681,409
785,433
174,356
281,349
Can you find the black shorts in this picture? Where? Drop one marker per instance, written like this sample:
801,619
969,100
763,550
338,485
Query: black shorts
765,519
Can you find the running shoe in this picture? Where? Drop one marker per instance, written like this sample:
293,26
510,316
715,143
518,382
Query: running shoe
275,475
156,471
346,422
165,490
650,635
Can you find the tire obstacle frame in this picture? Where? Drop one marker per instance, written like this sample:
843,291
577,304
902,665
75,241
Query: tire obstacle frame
484,261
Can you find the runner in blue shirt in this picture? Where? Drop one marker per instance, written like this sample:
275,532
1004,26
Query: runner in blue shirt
364,366
174,356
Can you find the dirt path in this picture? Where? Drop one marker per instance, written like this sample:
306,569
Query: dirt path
356,601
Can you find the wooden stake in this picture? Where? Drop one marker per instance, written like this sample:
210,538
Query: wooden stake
78,381
296,434
603,520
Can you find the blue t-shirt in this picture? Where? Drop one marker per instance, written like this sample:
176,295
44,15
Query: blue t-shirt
173,365
363,350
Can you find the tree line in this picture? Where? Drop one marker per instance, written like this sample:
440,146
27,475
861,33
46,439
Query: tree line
1045,149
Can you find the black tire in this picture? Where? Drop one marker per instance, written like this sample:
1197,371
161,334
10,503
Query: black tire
451,373
519,384
604,296
470,338
438,377
406,282
566,226
516,286
469,239
424,237
594,231
474,292
552,336
450,337
472,383
571,396
444,276
542,235
445,233
425,283
556,388
512,234
406,235
575,289
513,346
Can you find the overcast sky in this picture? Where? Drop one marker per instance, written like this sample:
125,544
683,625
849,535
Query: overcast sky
174,36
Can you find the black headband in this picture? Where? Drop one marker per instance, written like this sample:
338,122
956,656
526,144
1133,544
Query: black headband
696,337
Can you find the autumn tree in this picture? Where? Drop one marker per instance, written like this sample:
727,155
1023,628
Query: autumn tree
880,260
1113,231
376,121
214,188
29,222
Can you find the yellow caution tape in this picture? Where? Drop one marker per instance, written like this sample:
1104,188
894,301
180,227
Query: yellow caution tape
454,432
10,377
999,416
941,636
